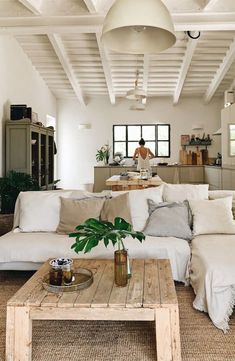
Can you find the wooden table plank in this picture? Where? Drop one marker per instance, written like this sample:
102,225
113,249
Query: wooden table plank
118,296
101,297
23,293
51,299
167,287
151,284
136,284
85,297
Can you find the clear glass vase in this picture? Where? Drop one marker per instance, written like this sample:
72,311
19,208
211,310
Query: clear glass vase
120,268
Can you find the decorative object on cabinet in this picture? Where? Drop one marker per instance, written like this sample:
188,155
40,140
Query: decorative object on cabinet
185,139
103,154
30,149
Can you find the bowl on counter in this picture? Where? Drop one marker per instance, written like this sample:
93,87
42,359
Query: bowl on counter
163,164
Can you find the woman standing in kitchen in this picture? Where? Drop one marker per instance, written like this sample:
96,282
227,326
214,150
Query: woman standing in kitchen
143,155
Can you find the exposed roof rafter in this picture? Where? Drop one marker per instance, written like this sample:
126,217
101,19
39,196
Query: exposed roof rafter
91,6
222,70
191,46
210,4
106,68
60,51
92,23
32,5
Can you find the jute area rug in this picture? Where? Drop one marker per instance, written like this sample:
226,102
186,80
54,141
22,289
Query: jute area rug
119,341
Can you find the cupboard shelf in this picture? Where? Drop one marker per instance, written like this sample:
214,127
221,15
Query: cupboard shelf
23,156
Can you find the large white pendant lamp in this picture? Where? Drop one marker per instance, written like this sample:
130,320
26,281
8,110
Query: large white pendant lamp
138,27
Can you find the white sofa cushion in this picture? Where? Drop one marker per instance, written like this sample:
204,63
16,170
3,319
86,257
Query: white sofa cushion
222,194
212,216
182,192
139,204
40,211
38,247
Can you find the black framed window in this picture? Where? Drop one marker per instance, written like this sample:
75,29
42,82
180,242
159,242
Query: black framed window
157,138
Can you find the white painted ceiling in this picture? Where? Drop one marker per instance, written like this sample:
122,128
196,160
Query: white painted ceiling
62,40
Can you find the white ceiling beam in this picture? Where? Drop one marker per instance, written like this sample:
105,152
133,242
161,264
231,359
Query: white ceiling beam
32,5
106,68
210,4
221,72
60,51
91,6
232,86
146,75
190,49
203,21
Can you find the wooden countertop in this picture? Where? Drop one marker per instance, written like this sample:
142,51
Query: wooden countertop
132,181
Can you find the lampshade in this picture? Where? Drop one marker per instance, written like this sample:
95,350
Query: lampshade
136,93
138,27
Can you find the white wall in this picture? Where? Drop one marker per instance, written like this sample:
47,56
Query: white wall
77,148
20,83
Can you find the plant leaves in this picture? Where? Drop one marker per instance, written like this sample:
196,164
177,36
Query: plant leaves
92,231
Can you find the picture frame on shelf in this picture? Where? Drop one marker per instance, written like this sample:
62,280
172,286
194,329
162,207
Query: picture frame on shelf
185,139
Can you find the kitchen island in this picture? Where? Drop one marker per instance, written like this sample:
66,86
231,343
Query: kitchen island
134,182
169,174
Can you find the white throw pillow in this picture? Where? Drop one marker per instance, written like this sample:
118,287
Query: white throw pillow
212,216
182,192
40,210
222,194
138,200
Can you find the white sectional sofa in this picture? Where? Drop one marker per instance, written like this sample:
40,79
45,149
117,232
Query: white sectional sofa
212,266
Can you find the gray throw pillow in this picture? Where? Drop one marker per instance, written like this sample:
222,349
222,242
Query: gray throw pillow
153,205
168,220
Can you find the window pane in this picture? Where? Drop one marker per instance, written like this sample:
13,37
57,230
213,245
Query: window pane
148,132
163,132
232,148
120,132
120,147
134,132
151,146
163,150
131,148
232,131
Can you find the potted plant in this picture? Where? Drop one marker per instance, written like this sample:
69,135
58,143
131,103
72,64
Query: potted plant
92,231
10,186
103,154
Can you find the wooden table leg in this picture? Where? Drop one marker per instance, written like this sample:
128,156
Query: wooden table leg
175,333
19,334
167,334
10,333
163,334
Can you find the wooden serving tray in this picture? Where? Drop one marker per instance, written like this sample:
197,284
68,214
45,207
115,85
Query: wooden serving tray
82,278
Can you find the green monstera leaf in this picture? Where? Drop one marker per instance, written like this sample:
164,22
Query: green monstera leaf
92,231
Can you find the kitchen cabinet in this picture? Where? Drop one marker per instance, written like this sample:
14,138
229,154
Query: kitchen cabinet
228,179
213,177
169,174
30,149
192,174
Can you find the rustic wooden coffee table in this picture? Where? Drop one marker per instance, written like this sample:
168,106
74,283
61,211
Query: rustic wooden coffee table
149,296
